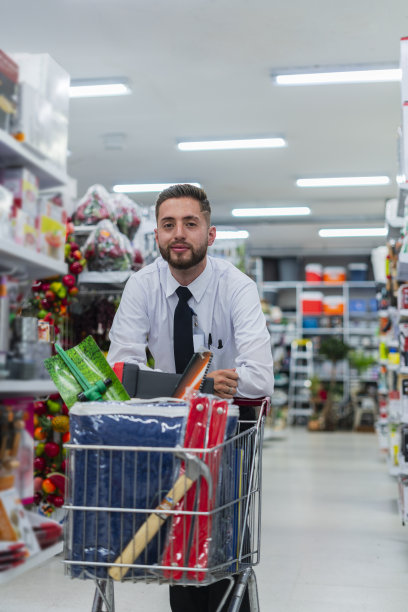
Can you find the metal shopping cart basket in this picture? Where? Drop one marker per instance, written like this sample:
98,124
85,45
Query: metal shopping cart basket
211,533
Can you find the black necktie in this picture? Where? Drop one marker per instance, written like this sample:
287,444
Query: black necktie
183,330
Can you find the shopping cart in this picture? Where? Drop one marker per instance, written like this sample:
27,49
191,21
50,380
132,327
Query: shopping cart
217,543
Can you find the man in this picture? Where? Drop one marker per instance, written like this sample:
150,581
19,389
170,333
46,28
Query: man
221,306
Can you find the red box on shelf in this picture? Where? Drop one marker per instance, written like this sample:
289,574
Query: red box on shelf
312,302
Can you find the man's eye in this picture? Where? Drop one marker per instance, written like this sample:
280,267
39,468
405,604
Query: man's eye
167,226
191,224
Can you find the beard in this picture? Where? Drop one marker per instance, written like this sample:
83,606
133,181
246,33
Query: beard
186,260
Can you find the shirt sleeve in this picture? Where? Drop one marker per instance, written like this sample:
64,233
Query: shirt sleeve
254,362
130,327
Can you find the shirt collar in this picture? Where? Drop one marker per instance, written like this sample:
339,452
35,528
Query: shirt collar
199,285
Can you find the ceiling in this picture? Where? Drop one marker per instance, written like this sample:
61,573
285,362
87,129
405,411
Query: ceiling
200,69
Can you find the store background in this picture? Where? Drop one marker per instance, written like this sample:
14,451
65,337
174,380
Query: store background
201,70
332,538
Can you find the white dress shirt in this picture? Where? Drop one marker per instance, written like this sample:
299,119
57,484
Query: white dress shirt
228,320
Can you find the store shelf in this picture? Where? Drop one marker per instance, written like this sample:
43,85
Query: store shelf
277,285
13,153
34,561
105,278
33,388
28,261
322,330
356,328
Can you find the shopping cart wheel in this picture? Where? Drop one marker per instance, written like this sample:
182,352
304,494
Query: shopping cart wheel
104,596
246,579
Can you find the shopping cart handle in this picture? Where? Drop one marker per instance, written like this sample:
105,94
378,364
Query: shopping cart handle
263,402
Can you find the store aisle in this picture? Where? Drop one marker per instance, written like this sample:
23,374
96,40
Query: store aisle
332,539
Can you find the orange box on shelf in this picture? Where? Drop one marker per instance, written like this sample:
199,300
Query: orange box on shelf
312,302
333,305
334,274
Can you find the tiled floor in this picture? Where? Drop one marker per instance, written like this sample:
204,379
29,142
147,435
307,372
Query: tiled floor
332,539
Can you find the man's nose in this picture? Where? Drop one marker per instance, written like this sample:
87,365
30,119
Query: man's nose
179,230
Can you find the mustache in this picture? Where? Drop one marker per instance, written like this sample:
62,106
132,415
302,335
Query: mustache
179,243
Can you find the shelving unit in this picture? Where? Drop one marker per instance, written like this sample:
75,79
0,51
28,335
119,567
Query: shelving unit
26,387
27,263
14,153
34,561
351,330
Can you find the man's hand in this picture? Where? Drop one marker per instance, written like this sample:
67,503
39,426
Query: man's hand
225,383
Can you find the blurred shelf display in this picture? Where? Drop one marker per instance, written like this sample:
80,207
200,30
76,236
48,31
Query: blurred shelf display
15,258
14,153
35,388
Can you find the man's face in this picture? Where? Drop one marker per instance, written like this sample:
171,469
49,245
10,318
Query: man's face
182,233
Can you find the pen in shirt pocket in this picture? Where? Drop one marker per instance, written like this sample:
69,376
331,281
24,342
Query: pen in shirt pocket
220,344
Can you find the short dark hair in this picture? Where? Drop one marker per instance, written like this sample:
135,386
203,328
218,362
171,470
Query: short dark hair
185,191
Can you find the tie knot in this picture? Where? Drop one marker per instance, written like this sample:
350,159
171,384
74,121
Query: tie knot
184,293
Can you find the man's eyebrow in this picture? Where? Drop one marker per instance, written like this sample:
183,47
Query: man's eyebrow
187,218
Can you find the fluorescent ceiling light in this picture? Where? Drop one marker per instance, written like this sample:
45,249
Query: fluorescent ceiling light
232,234
368,75
145,187
271,212
343,181
353,232
243,143
93,88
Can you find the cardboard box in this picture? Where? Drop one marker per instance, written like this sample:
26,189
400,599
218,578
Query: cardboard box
45,75
24,186
43,107
6,206
8,90
52,221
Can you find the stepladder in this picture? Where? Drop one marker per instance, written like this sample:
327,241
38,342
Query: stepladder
300,375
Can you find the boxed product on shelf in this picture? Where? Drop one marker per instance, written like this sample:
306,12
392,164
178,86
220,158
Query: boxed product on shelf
333,305
357,306
357,271
45,75
14,523
8,90
24,229
334,274
43,105
313,273
24,186
6,205
311,322
312,302
52,221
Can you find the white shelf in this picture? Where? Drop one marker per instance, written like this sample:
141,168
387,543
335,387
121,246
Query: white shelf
27,387
83,229
33,264
275,285
109,277
13,153
34,561
322,330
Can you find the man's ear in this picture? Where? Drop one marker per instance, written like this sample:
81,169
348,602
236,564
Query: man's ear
155,236
212,232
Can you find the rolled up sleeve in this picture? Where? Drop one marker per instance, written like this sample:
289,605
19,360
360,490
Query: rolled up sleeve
254,362
130,328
